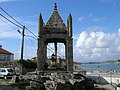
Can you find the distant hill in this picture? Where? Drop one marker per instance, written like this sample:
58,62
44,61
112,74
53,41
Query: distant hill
109,61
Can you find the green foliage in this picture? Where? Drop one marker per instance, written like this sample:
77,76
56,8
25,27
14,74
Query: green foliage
6,81
21,86
29,88
28,64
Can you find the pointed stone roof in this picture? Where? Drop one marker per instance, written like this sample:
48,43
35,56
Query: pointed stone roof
55,20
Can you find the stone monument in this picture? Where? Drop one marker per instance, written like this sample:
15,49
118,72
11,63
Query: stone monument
55,31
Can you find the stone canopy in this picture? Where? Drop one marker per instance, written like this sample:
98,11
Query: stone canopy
55,31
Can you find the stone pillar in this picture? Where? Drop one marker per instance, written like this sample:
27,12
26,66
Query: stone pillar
69,53
45,51
55,50
66,55
40,55
69,45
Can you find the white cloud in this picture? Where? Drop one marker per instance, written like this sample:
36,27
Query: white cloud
81,18
91,15
99,19
7,30
97,46
94,28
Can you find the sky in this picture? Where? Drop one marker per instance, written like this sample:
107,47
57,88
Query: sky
96,27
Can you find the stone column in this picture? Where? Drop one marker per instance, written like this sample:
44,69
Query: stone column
66,55
66,59
69,45
40,55
45,51
55,50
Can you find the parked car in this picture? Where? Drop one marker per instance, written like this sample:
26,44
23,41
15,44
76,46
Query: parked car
118,86
6,72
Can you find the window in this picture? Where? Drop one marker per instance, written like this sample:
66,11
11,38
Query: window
9,70
3,70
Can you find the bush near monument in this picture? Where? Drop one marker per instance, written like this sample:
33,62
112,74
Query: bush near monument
28,64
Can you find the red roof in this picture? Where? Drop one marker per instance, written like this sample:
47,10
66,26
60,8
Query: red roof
5,51
34,58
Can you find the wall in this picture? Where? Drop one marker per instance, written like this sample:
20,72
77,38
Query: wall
5,57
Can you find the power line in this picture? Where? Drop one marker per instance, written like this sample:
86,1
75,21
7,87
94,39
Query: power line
32,33
11,21
15,21
20,26
26,29
31,42
29,37
7,23
57,52
11,16
50,50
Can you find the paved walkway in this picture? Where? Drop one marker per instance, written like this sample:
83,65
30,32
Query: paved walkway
107,86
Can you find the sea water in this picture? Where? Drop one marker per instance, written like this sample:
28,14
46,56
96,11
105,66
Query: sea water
101,67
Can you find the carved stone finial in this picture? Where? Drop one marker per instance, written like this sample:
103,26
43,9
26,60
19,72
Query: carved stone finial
70,16
55,7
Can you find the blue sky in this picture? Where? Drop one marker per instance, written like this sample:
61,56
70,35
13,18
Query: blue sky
96,32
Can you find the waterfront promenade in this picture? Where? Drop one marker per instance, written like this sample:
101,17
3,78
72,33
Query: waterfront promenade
106,80
104,77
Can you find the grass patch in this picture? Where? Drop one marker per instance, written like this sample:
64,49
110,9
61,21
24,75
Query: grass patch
5,81
21,86
29,88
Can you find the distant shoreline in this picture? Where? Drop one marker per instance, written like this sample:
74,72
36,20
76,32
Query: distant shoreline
109,62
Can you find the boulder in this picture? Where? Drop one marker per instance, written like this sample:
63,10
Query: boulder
15,79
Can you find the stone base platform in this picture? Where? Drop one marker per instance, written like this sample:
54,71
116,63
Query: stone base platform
59,81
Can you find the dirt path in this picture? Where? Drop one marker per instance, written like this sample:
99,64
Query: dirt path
4,86
7,87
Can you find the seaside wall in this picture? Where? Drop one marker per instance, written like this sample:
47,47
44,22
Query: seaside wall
115,80
105,78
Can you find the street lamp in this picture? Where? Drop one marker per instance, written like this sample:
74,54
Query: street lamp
99,73
111,77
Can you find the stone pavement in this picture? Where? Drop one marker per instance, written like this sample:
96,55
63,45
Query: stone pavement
106,86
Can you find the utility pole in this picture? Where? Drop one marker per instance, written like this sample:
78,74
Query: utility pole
22,47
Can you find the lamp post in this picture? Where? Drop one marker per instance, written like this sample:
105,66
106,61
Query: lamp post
111,77
99,74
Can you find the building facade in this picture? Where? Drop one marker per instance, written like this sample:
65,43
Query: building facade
6,55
